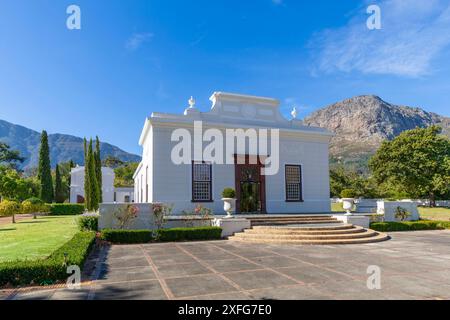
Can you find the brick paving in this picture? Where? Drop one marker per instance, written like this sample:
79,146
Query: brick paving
414,265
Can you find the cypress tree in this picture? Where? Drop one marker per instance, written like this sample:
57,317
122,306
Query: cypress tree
87,189
93,186
59,190
98,169
44,170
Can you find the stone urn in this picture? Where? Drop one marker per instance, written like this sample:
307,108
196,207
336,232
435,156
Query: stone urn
229,205
347,204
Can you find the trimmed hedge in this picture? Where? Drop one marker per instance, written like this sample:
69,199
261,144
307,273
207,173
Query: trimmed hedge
51,269
127,236
186,234
164,235
66,209
409,225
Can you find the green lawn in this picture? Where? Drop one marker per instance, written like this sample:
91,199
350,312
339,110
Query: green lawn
336,207
34,239
441,214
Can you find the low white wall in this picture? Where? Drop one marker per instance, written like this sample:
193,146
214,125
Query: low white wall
145,218
231,226
388,208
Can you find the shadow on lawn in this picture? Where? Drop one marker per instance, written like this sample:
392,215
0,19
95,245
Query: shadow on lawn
8,229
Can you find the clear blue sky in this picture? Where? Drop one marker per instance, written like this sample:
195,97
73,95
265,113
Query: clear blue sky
134,57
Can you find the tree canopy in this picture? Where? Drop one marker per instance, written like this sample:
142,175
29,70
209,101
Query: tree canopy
415,163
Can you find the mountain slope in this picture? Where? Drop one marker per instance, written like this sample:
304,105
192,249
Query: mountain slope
62,147
362,123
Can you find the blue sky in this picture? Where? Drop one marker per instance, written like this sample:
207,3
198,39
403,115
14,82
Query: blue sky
134,57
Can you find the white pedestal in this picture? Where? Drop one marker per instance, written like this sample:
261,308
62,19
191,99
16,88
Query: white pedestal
231,226
362,221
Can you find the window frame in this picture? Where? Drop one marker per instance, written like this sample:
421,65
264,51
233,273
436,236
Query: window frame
194,162
300,183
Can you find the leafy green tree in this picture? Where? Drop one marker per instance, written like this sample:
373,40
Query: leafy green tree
14,186
98,169
9,156
93,185
124,175
112,162
44,170
87,184
415,163
60,194
342,178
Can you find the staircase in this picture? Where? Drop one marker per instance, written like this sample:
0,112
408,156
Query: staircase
306,230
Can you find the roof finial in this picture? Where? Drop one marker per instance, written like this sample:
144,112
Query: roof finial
191,102
294,113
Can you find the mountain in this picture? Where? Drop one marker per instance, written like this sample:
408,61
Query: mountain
63,147
361,123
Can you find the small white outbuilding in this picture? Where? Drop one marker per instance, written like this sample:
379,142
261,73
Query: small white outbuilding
77,184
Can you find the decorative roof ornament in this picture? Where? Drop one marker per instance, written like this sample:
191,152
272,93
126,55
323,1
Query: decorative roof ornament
191,102
294,113
191,109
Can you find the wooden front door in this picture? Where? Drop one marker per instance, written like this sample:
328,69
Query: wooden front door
250,186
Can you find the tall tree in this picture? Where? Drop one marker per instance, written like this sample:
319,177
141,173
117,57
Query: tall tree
112,162
60,194
93,185
9,156
44,170
416,163
87,191
98,169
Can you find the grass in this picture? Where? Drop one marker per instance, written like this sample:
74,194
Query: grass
336,207
439,214
35,238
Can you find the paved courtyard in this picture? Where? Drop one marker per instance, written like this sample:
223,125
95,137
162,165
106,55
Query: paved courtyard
414,265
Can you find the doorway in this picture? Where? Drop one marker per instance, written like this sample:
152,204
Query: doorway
250,186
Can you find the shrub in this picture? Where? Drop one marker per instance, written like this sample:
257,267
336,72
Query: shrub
88,222
348,193
407,226
127,236
34,205
51,269
66,209
401,213
184,234
125,215
228,193
9,208
166,235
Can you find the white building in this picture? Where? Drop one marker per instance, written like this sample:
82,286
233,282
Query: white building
124,194
300,185
77,184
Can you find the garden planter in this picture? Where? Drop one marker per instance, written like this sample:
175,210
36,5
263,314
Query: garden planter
229,205
347,204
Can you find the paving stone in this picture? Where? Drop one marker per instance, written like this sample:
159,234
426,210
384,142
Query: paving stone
200,285
232,265
182,270
276,261
258,279
145,290
298,292
129,274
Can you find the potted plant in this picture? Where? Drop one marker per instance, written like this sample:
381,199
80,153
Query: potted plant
229,201
348,200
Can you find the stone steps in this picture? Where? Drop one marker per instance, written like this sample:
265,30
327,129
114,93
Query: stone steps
303,236
286,220
312,233
344,229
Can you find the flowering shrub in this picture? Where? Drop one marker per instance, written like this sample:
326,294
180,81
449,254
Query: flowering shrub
126,215
401,213
35,205
200,212
161,211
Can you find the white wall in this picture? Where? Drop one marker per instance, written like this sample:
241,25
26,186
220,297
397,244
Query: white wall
77,184
172,183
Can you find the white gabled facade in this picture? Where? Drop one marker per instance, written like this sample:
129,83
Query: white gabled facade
77,184
302,148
